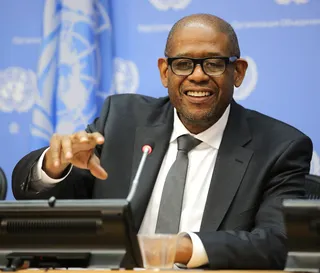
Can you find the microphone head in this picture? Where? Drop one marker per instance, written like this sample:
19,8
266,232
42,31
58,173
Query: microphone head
148,147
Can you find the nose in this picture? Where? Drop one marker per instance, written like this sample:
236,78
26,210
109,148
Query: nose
198,74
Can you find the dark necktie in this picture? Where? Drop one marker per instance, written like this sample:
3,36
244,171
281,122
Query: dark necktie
172,195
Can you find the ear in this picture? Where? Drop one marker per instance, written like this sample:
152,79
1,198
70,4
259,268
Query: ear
241,66
163,69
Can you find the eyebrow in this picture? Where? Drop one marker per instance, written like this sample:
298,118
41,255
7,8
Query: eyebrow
209,54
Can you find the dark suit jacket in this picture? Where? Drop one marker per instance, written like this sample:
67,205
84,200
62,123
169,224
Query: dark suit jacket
260,162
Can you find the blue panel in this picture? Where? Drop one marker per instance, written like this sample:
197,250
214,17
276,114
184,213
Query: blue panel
279,38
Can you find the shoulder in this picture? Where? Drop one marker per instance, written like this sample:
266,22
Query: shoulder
272,138
133,100
138,108
272,129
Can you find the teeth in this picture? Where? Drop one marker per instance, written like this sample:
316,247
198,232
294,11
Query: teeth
198,94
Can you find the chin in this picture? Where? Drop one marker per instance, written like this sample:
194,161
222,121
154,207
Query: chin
200,117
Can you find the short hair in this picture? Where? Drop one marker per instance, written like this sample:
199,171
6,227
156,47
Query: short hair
209,20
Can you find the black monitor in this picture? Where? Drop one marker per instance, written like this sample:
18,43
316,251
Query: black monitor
68,233
302,221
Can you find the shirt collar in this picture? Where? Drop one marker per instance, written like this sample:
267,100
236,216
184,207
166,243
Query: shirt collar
212,136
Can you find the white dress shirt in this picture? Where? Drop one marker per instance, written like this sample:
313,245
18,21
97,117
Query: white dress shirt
200,169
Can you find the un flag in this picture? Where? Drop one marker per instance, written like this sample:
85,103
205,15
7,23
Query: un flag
70,67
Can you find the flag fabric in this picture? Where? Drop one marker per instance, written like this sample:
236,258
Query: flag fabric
77,36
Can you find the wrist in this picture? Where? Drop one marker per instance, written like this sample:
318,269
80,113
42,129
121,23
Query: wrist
184,250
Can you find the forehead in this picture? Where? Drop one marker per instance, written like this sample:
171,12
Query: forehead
198,40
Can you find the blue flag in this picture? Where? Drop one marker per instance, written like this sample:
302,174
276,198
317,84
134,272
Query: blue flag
70,67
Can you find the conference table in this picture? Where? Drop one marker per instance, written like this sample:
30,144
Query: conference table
145,270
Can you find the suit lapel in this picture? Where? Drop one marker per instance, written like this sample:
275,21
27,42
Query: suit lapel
231,164
160,135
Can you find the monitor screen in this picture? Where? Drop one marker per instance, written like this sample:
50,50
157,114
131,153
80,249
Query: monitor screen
68,233
302,221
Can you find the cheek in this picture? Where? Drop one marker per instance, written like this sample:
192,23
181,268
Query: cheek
225,87
174,86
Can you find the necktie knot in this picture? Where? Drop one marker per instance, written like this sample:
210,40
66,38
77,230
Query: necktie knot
187,142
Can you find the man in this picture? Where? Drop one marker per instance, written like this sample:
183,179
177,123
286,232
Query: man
243,166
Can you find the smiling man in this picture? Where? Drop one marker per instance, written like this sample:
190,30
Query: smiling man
201,93
218,172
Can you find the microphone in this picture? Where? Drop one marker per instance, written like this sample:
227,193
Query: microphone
146,150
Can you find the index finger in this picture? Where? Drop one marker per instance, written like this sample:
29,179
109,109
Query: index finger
81,136
55,149
97,137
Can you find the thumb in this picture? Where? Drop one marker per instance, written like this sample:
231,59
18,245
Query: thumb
96,169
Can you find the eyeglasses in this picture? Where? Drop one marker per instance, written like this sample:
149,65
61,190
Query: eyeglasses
212,66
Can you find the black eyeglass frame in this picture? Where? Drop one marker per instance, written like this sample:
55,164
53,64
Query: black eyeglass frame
196,61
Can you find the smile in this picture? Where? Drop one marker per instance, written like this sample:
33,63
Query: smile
199,96
198,93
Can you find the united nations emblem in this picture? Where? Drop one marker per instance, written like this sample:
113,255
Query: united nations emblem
126,77
69,67
18,89
250,81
